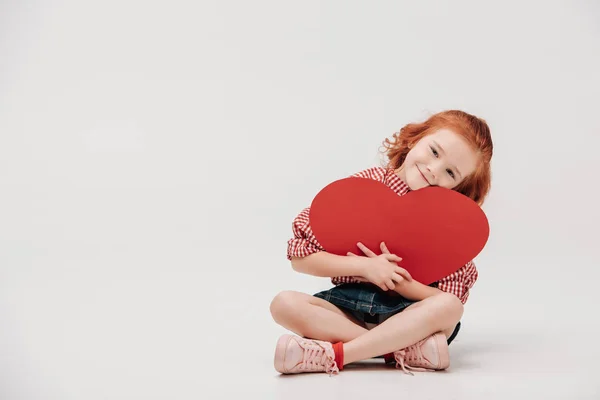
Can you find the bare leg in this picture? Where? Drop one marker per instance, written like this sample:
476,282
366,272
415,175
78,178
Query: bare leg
434,314
448,331
314,318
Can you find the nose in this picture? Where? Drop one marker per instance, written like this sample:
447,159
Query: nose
431,172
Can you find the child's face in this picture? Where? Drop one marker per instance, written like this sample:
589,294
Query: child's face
442,158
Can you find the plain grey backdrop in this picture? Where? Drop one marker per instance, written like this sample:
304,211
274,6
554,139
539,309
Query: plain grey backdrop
154,154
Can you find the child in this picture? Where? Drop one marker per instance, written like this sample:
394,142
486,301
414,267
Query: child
376,308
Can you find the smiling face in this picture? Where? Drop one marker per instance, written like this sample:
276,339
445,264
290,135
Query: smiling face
442,158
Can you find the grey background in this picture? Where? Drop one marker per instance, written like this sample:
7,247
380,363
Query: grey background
154,154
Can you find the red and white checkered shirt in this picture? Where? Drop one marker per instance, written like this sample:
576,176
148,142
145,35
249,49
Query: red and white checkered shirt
305,243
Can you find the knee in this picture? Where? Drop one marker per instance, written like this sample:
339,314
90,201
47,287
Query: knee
283,304
449,308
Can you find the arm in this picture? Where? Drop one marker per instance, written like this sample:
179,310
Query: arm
458,283
414,290
308,256
328,265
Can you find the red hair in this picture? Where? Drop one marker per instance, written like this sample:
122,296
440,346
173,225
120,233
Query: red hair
475,130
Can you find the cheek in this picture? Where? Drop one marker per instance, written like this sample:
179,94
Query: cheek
425,153
450,183
416,155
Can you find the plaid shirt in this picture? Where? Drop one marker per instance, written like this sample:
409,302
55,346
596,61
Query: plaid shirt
304,241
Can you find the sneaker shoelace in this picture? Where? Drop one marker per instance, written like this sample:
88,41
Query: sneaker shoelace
316,358
411,355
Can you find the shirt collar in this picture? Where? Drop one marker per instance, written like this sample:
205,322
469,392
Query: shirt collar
394,182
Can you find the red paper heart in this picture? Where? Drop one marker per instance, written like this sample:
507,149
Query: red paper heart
435,230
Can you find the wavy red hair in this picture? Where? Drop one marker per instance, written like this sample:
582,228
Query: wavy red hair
475,130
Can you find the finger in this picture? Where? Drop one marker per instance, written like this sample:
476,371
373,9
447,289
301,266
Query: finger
383,287
351,254
393,257
384,248
404,273
390,284
366,250
397,277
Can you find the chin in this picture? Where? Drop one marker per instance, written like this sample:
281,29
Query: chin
416,184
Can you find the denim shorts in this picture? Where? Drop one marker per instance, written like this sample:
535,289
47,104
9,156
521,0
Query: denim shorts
369,304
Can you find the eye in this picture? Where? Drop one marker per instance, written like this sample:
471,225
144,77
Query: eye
450,173
434,151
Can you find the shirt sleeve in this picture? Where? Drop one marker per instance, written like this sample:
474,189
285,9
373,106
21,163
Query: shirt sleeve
460,282
375,173
338,280
303,242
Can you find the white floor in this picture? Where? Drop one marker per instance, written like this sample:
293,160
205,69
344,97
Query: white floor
140,331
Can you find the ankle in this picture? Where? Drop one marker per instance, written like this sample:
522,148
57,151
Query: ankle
338,349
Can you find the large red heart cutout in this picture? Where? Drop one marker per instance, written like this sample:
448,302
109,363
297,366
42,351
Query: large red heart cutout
435,230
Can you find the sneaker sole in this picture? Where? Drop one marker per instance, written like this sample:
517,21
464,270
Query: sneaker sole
280,352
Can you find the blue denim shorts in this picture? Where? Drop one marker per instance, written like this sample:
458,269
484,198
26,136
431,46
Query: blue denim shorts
369,304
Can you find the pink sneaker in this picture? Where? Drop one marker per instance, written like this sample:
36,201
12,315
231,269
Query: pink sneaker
294,355
429,354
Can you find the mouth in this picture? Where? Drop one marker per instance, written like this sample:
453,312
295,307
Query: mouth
423,176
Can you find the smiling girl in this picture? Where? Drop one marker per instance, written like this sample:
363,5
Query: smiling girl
376,308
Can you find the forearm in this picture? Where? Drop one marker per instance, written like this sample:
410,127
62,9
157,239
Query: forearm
328,265
414,290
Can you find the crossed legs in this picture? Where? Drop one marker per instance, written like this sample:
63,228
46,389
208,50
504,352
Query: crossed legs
315,318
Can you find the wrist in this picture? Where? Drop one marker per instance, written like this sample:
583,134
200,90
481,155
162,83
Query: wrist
402,287
359,265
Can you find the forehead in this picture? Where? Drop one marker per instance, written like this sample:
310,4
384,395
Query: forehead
458,151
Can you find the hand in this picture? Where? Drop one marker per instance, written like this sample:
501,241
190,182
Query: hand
382,270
